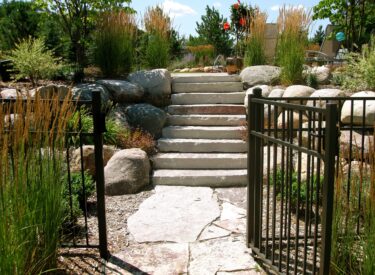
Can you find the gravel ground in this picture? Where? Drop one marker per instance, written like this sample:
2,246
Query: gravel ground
118,209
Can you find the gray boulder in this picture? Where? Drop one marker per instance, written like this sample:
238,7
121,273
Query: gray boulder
123,91
156,84
84,92
127,172
147,117
258,75
277,92
118,115
52,91
10,94
358,107
354,143
298,91
321,73
324,93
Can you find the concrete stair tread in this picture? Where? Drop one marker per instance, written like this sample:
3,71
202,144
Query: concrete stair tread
203,132
206,120
229,109
206,128
212,178
203,98
209,87
203,77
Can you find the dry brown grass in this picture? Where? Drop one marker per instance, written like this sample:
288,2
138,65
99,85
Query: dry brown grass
294,20
157,22
257,26
138,139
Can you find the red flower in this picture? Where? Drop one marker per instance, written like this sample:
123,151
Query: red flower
242,21
226,26
236,6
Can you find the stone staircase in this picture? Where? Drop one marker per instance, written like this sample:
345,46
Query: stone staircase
201,144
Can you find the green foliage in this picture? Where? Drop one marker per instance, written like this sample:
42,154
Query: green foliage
157,52
77,196
311,80
31,59
318,36
115,43
360,71
18,20
176,44
355,17
211,31
254,53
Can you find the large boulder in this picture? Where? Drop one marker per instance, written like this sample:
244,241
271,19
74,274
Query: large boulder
127,172
257,75
84,92
88,153
156,84
351,145
277,92
324,93
298,91
265,92
118,115
321,73
52,91
10,94
147,117
358,107
123,91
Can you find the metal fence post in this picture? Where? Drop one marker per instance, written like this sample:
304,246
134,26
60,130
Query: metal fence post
99,128
331,149
253,170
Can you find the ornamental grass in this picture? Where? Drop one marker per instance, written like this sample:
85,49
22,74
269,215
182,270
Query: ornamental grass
31,184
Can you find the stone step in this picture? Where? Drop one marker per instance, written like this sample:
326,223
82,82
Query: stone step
206,120
203,132
213,98
202,145
213,109
211,178
200,160
212,87
204,77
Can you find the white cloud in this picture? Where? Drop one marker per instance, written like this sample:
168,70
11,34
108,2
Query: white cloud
175,9
217,4
275,8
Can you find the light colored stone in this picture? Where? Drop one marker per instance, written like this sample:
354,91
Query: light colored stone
298,91
199,160
263,74
213,232
156,259
206,120
123,91
354,142
322,73
202,145
358,110
277,92
234,226
147,117
205,98
208,69
52,90
174,214
211,178
231,212
265,92
88,152
118,115
227,254
127,172
203,132
9,94
84,92
208,87
177,70
156,84
284,124
324,93
196,70
236,196
185,70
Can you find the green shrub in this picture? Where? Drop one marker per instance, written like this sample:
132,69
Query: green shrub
360,71
77,196
254,43
31,59
293,26
311,80
115,43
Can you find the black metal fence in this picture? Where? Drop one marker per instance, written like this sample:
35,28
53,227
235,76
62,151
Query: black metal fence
296,148
77,232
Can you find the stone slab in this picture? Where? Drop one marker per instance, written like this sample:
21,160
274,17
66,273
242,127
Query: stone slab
212,98
156,259
209,87
226,254
235,226
206,120
174,214
213,232
210,109
236,196
231,212
203,132
203,77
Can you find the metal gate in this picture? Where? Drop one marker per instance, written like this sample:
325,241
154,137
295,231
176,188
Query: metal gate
291,171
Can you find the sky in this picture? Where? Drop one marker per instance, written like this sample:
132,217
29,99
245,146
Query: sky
186,12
